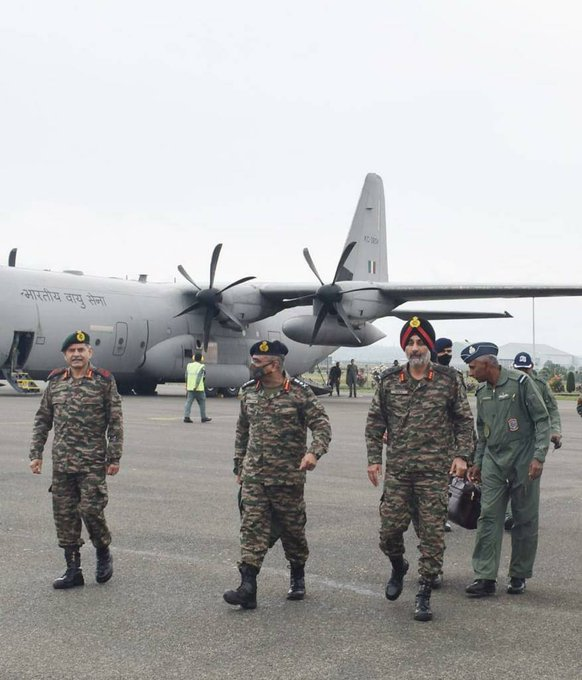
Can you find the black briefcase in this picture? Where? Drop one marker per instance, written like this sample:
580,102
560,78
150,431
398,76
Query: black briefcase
464,503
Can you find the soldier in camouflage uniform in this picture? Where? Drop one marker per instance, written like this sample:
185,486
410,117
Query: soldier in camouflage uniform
271,459
424,409
83,404
513,428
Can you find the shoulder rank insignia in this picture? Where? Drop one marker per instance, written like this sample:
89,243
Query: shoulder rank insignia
56,372
298,381
103,372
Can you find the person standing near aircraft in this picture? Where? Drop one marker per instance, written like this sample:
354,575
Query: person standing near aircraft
424,409
270,462
352,378
83,404
195,388
523,362
513,428
335,374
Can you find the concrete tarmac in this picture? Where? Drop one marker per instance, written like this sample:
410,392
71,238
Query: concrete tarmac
174,520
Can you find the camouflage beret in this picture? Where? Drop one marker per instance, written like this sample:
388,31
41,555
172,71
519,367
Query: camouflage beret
264,347
78,337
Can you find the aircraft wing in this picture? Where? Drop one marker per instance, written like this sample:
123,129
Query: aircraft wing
407,292
284,294
443,315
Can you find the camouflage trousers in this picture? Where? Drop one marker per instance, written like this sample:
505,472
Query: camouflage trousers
76,497
261,505
405,494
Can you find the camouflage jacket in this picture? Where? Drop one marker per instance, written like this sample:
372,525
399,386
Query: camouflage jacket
271,432
425,420
86,414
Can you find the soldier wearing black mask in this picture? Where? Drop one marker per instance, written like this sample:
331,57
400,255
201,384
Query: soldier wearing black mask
443,348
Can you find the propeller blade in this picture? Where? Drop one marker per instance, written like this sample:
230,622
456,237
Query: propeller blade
307,256
231,285
347,250
320,317
214,262
207,325
188,277
344,317
303,298
230,315
196,305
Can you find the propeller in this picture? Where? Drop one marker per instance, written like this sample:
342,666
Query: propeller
210,299
330,294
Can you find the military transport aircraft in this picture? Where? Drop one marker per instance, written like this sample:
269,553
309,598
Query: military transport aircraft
145,333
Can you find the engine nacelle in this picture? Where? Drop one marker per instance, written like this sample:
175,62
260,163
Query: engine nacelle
300,329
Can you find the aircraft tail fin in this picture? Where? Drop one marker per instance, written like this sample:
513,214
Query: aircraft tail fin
368,261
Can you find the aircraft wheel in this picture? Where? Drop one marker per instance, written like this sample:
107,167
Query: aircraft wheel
124,388
145,388
230,391
211,391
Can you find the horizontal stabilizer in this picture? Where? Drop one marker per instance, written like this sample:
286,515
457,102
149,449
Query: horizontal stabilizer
443,315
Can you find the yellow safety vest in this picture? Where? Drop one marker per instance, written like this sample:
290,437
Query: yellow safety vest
195,374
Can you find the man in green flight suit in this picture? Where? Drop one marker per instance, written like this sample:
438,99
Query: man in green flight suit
523,362
270,462
513,429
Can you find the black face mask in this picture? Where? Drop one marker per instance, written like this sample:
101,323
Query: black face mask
258,372
444,359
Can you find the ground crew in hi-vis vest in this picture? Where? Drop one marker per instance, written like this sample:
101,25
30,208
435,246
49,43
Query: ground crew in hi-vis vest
83,404
270,462
513,430
196,388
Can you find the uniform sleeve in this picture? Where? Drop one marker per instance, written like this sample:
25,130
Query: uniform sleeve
481,442
579,406
539,415
114,423
375,428
463,424
43,422
241,438
552,406
317,421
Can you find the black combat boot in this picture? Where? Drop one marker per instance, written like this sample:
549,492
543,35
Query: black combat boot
246,594
74,574
297,582
516,585
395,584
422,610
481,587
104,569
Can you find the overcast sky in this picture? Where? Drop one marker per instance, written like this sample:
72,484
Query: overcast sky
137,135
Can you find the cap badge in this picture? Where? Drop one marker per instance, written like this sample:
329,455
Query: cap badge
80,336
264,346
414,322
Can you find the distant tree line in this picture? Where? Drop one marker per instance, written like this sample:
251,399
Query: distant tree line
560,378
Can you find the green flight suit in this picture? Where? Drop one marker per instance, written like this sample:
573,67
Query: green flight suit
513,428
